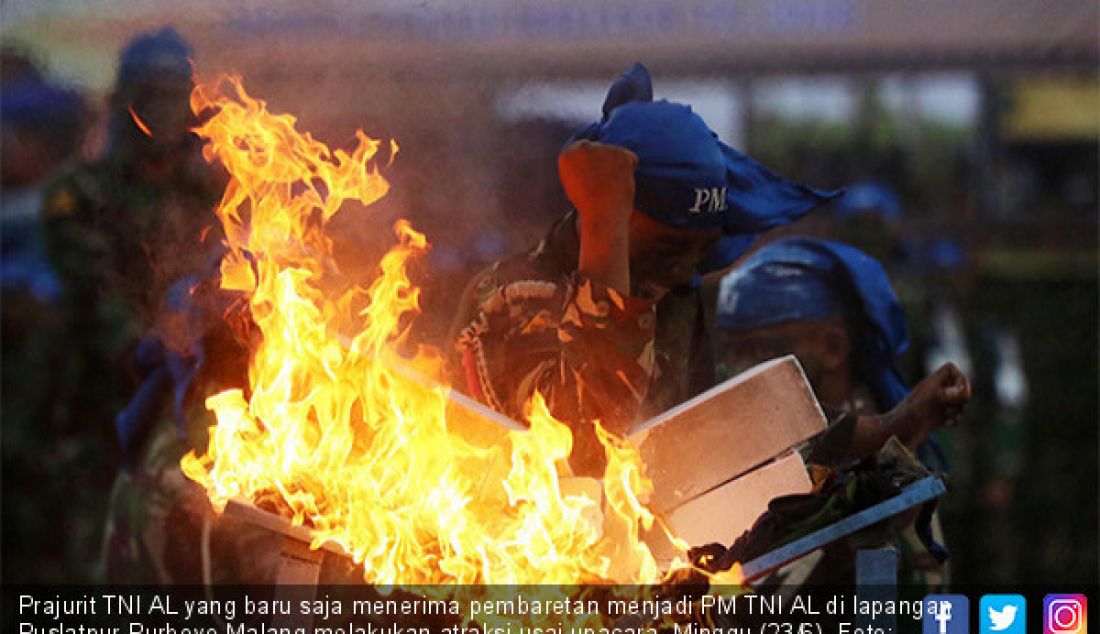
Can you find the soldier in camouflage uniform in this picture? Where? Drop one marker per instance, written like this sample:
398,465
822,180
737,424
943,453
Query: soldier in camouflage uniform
161,527
604,317
119,231
42,126
832,306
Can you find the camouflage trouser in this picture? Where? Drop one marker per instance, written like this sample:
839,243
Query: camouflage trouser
919,572
161,528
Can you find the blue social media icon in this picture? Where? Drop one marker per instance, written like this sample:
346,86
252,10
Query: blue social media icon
946,614
1002,614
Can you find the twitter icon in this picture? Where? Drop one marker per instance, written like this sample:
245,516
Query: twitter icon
1003,614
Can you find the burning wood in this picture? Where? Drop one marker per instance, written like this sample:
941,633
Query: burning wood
368,454
776,394
370,459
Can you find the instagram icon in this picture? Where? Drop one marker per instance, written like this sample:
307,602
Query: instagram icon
1065,614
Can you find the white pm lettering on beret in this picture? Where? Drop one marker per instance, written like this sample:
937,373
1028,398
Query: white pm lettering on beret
709,199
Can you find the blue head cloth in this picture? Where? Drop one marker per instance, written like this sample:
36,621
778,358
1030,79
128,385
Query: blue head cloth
869,197
35,102
801,279
688,178
159,54
164,371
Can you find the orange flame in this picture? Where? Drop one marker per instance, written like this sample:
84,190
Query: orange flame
344,431
140,124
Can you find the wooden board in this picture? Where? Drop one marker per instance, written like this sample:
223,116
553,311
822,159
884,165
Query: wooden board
727,431
246,512
590,488
471,422
723,514
694,453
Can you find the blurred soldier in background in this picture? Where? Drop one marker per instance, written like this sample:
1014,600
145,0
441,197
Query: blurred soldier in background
988,454
832,306
42,126
868,217
121,228
160,525
119,231
935,278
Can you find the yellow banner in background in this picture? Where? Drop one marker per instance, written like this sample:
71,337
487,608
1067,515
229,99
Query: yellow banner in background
1043,109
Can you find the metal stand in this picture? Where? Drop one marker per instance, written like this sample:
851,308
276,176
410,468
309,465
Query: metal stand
877,580
913,495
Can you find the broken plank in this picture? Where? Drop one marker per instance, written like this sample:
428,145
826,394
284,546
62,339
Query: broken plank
727,431
722,514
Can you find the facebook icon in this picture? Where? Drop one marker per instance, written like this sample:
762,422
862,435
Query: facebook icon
946,614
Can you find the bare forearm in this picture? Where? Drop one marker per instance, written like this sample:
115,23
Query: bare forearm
605,249
938,400
848,439
870,434
599,181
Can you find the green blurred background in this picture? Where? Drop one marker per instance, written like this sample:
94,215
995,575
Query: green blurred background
981,117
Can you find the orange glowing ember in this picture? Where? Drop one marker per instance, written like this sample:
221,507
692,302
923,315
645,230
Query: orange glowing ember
362,443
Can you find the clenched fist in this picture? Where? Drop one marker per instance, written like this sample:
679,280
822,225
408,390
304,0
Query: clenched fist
599,180
938,400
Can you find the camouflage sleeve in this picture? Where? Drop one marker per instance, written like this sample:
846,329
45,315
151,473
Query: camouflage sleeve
80,251
585,347
75,249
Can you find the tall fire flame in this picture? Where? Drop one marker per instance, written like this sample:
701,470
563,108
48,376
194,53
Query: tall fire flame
358,440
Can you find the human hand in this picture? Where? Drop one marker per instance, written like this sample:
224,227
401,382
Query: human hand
938,400
599,181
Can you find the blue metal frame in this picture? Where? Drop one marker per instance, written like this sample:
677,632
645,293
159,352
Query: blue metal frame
915,494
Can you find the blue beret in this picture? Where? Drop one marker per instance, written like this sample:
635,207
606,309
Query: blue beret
688,178
801,279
